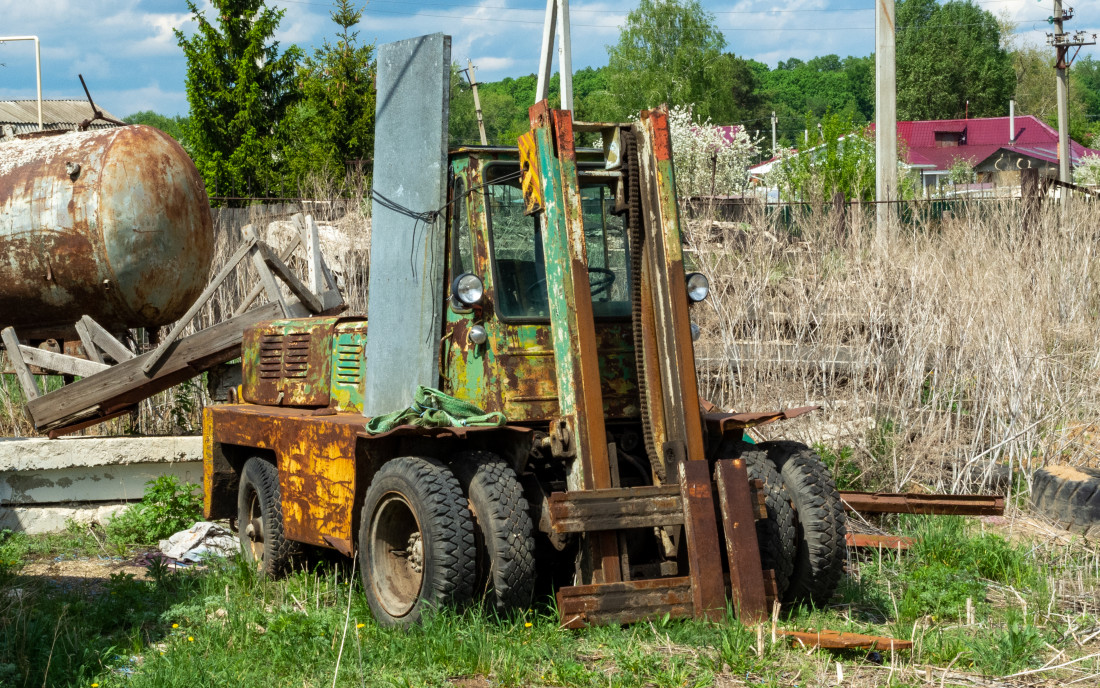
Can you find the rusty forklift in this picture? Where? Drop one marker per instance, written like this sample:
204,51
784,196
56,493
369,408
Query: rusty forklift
544,282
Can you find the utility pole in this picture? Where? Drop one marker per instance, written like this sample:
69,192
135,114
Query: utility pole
37,67
886,114
774,146
1062,42
477,101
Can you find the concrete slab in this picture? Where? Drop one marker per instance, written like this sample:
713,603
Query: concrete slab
92,469
39,520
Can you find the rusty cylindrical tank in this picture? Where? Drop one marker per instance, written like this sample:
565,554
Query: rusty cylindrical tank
110,223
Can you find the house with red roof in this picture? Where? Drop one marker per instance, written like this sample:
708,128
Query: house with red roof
996,147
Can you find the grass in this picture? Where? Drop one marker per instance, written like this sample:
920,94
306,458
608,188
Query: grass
224,626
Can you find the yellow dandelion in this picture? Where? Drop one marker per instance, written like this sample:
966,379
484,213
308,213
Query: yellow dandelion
190,639
95,685
175,625
527,625
360,625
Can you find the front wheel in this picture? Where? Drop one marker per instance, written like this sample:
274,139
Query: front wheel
416,541
260,518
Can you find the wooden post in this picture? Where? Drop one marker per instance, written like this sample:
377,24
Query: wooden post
26,379
477,101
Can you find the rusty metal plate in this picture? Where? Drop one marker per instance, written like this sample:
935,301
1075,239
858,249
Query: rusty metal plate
867,541
701,530
616,509
719,423
625,602
289,362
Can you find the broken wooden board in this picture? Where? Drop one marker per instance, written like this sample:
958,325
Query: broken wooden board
119,387
839,640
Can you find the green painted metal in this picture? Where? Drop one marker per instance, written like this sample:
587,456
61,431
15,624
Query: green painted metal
348,366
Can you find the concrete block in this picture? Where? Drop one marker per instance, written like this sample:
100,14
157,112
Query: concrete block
92,469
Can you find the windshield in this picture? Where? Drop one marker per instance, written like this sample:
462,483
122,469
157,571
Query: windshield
518,256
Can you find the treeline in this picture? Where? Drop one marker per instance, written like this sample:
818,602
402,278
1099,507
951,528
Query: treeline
267,122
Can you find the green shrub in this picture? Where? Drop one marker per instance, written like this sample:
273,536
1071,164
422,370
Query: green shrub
167,507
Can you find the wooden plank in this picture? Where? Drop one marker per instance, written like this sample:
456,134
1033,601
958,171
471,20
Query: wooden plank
60,363
949,505
312,302
742,550
839,640
625,602
616,508
866,541
125,384
701,530
22,372
104,340
85,335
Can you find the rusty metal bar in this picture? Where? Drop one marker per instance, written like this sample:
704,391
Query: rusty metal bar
910,503
678,385
866,541
838,640
708,586
572,324
742,550
625,602
616,509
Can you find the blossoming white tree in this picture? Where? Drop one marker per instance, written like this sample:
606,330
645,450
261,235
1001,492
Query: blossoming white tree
710,160
1087,172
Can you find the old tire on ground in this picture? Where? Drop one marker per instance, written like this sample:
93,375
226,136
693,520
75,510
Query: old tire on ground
776,535
416,541
819,520
260,518
1070,496
502,528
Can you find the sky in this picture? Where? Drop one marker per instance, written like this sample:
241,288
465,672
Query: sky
127,51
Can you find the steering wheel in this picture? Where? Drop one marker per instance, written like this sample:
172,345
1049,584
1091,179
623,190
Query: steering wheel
598,286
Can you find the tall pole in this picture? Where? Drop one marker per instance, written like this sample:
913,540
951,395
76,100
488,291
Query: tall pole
886,127
774,146
565,60
37,67
1063,103
546,54
477,101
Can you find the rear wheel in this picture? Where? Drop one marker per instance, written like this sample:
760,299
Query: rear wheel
416,541
260,518
820,522
503,529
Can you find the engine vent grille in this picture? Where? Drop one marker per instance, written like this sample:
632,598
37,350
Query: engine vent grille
286,357
348,369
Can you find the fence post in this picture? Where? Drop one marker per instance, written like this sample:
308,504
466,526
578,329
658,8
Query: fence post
1030,197
840,219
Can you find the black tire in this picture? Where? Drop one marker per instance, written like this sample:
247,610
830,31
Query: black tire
776,535
1070,496
260,519
416,541
819,520
502,528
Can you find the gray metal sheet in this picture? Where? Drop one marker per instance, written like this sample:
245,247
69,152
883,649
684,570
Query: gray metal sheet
405,298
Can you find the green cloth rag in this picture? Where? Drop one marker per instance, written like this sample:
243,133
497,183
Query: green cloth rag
434,409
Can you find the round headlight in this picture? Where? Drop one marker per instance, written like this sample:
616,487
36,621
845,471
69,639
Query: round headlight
698,286
695,332
468,289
